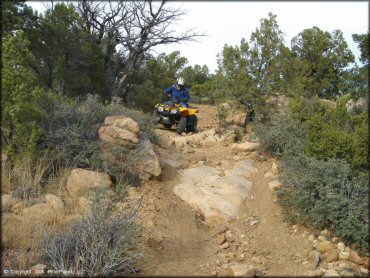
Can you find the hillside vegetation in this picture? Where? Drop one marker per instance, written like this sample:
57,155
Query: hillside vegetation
63,74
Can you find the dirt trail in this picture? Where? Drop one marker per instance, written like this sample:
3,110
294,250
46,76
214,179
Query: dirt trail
178,242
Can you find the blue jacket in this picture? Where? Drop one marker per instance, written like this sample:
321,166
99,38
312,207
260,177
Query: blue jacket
178,96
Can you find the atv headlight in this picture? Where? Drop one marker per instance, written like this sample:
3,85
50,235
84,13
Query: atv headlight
173,111
160,109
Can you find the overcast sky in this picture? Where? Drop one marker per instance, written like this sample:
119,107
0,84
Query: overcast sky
227,22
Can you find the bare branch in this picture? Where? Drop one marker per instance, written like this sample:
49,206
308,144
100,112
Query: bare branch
133,27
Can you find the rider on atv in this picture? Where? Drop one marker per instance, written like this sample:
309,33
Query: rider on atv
179,94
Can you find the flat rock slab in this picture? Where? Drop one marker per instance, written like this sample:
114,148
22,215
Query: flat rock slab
216,198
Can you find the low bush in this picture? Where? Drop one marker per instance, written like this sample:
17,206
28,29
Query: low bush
73,134
99,244
323,154
325,194
285,134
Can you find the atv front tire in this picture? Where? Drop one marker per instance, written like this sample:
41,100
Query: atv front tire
156,117
182,125
192,123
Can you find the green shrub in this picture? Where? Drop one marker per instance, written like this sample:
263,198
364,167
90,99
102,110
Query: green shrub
325,194
324,163
285,134
73,136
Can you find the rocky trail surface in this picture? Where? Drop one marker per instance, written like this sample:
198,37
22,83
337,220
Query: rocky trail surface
213,212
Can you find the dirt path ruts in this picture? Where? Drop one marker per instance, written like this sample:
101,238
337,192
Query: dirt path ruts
178,243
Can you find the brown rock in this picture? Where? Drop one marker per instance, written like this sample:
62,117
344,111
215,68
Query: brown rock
225,245
39,212
366,263
325,246
331,273
325,233
18,207
229,236
341,246
239,269
119,127
209,141
221,239
80,181
256,260
127,124
180,142
84,205
331,256
149,165
111,135
273,185
312,255
220,229
110,119
346,273
343,255
354,257
244,147
7,202
10,223
55,202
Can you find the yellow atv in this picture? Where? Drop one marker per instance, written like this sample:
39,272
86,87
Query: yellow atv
172,114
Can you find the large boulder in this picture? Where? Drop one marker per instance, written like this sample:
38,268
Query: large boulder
55,202
7,202
354,257
244,147
80,181
325,246
149,166
216,198
40,212
123,122
10,223
117,128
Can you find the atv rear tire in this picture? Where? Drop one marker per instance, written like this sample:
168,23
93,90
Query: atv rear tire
167,125
182,125
192,123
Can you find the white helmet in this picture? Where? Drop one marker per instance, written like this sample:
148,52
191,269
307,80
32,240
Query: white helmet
180,81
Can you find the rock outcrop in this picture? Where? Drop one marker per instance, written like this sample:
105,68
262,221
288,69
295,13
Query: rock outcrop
55,202
149,166
80,181
216,198
244,147
40,212
207,138
117,128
